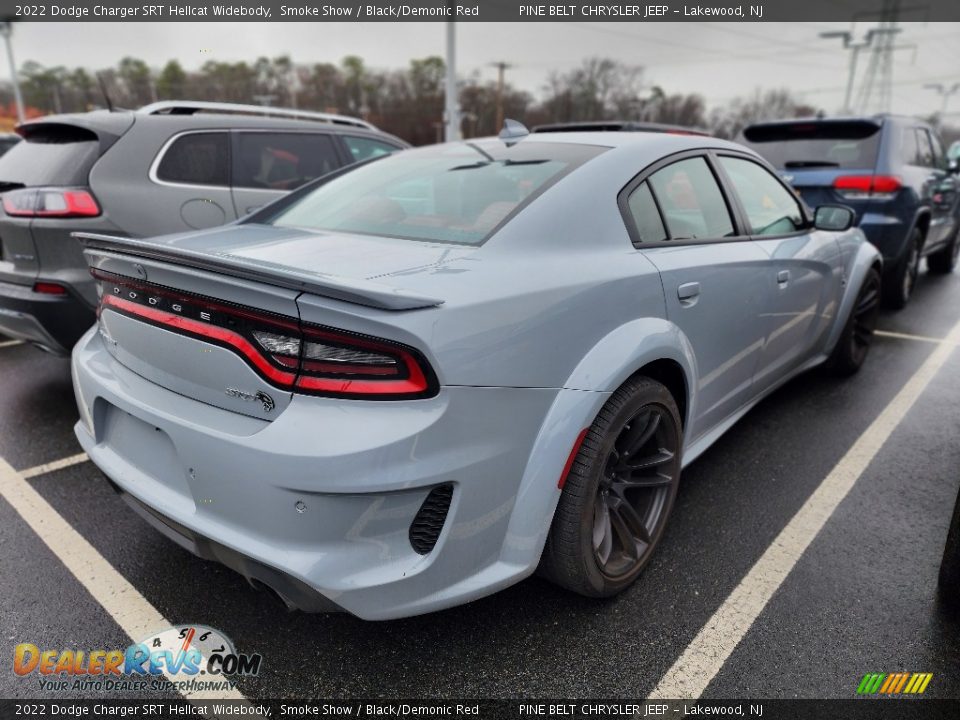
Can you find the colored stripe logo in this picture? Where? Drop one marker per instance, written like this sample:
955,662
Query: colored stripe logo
900,683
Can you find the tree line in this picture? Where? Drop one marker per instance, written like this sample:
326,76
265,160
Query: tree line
407,102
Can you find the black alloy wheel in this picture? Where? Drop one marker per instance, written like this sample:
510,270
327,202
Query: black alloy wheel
634,491
619,492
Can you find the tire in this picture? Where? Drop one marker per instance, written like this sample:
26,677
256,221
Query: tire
854,343
943,262
610,518
950,566
898,286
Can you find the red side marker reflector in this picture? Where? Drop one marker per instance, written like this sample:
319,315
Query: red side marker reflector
48,288
573,456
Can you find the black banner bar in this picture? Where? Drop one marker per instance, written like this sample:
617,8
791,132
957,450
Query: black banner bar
476,11
863,708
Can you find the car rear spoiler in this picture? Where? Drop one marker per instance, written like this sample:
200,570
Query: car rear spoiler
357,291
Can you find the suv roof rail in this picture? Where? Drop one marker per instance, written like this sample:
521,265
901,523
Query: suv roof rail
190,107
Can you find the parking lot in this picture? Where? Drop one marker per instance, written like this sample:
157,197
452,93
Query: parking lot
860,598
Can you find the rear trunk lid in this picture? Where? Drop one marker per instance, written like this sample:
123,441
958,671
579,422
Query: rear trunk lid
55,152
214,315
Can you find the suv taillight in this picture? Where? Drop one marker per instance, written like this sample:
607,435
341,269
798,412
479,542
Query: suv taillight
862,187
51,202
301,358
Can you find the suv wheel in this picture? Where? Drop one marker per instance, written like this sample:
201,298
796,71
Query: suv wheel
903,278
618,493
944,261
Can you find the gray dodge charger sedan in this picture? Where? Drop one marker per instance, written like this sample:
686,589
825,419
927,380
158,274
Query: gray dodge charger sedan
416,383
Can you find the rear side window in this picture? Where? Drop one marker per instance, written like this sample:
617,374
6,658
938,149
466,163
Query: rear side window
925,149
282,161
692,203
911,149
646,215
362,148
197,159
835,144
51,155
771,208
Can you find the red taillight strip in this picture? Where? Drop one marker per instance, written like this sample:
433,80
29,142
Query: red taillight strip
178,322
573,456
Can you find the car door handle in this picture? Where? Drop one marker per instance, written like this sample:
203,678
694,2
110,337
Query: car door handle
783,278
688,291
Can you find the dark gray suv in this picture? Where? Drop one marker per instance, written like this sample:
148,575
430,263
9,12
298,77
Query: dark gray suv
168,167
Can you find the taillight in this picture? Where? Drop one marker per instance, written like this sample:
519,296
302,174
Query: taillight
294,356
51,202
334,363
861,187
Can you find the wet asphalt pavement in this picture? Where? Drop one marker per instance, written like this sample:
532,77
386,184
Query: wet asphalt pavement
861,599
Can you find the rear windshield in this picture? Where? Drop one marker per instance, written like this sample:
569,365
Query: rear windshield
57,155
816,144
452,193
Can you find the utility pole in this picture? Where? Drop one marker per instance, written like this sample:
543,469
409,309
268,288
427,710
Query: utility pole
451,112
855,48
944,92
501,67
6,29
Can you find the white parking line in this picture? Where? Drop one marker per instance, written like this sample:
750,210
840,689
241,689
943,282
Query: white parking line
53,466
124,603
10,343
705,656
908,336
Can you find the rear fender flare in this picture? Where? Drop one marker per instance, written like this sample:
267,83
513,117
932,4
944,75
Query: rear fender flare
608,365
864,257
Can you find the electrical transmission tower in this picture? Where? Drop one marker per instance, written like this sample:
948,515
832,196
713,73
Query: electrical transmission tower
877,85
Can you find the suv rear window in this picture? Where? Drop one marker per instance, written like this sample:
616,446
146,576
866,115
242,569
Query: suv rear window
50,155
849,145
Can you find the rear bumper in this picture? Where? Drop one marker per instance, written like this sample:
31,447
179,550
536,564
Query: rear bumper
888,233
318,503
54,322
295,594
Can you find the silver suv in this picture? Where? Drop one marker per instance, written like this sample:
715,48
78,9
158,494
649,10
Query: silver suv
168,167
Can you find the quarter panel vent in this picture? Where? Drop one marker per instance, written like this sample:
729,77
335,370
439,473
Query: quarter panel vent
426,526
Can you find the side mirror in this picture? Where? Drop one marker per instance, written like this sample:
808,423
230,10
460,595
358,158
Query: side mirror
835,218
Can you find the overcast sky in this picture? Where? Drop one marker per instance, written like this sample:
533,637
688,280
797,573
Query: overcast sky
718,60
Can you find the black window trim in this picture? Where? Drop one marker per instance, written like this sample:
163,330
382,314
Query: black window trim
155,165
733,209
